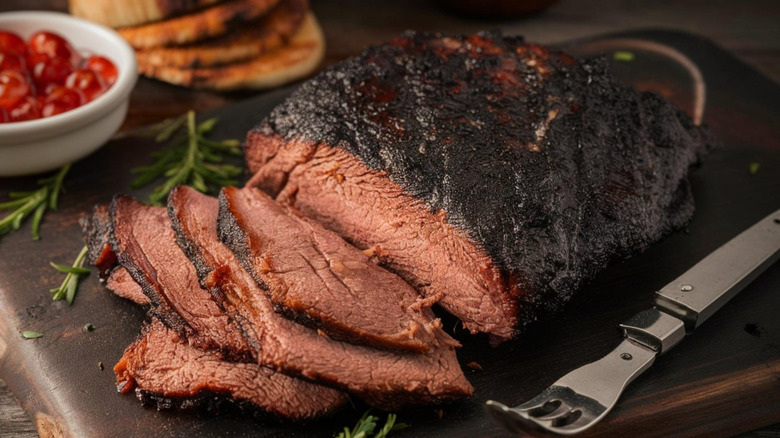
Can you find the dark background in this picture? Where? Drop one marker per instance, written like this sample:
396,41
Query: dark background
749,29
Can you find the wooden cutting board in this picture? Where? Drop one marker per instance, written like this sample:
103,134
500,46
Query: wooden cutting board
723,380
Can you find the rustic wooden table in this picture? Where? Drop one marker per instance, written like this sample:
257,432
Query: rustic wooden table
749,29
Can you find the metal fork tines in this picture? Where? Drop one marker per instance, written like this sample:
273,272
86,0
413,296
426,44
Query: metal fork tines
581,398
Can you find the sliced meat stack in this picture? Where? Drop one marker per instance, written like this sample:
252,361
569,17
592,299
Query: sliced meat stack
494,176
318,277
381,377
216,324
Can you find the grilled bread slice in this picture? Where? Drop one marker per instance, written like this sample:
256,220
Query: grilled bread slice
297,59
202,24
253,39
122,13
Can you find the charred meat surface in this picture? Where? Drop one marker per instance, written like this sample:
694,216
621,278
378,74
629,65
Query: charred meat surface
96,228
493,175
162,367
145,245
321,280
386,379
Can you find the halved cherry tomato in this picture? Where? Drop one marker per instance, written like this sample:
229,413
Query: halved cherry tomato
28,108
87,81
46,77
12,44
45,70
12,62
13,88
104,68
53,46
61,99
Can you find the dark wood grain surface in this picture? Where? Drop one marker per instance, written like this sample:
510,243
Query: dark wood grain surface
749,30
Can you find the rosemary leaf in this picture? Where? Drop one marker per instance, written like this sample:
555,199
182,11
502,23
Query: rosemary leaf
69,286
36,222
31,335
623,56
70,269
189,159
166,133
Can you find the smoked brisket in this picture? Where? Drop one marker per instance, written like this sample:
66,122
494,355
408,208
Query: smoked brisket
493,175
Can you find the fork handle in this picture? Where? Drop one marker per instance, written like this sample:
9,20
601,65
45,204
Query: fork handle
698,293
691,298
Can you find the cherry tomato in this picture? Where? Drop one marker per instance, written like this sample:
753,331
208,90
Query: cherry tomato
13,88
28,108
12,62
12,44
90,84
104,68
61,99
53,46
4,117
45,70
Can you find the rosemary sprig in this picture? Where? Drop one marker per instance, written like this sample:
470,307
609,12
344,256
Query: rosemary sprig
190,159
366,425
73,274
35,202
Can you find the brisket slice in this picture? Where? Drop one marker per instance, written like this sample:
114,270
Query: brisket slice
96,228
493,175
145,245
322,280
122,284
382,378
170,372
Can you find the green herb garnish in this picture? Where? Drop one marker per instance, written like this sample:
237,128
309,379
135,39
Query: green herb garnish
72,273
88,327
366,425
190,159
623,56
31,335
34,202
753,168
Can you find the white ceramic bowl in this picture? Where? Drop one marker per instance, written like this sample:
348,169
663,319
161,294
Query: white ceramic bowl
40,145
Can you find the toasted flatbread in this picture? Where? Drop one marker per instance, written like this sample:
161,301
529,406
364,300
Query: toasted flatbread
299,58
253,39
122,13
206,23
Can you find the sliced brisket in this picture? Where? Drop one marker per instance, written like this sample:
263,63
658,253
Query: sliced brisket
387,379
122,284
142,238
96,228
493,175
322,280
171,372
